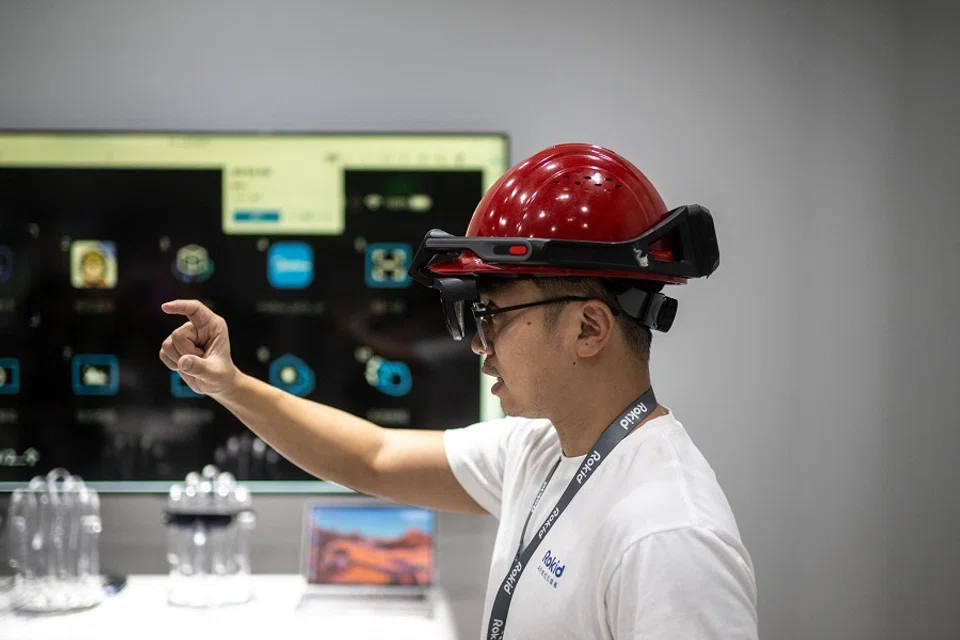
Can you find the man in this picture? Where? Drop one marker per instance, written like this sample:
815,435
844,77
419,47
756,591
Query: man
612,524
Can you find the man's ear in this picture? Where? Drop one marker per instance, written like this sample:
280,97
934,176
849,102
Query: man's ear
597,325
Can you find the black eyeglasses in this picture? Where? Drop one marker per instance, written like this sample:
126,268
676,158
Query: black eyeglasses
651,309
482,313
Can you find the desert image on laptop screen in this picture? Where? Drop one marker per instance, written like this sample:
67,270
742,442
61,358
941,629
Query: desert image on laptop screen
372,546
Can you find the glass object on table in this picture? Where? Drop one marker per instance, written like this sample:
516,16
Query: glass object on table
208,520
54,544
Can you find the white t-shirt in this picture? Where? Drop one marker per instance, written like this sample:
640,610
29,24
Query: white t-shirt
649,547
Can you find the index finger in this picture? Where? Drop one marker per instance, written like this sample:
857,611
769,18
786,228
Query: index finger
198,313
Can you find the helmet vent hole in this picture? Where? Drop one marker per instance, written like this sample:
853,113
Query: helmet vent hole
568,177
577,182
609,179
618,186
556,182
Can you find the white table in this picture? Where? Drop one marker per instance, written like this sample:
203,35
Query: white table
140,611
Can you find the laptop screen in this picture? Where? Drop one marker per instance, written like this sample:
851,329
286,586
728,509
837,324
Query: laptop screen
378,545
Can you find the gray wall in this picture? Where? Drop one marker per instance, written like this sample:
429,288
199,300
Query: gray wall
815,369
921,447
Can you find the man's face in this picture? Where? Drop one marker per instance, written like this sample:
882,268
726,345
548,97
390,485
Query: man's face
524,353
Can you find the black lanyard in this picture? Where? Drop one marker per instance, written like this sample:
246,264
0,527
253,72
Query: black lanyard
609,439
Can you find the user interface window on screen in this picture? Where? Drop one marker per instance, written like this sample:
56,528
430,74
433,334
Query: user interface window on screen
301,242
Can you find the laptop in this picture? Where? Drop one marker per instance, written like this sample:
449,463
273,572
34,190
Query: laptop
366,555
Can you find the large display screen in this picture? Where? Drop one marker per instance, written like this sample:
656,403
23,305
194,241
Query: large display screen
302,242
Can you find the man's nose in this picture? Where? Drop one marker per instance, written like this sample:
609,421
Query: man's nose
477,346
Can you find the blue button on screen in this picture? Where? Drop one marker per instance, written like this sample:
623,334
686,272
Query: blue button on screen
290,265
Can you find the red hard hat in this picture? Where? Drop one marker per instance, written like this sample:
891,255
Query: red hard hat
575,192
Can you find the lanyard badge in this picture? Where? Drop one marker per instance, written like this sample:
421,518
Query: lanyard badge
610,438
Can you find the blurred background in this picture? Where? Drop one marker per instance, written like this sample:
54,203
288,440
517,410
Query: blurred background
815,370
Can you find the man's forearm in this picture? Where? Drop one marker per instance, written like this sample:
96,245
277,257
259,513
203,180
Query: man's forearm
326,442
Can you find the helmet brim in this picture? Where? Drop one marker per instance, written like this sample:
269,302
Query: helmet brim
467,263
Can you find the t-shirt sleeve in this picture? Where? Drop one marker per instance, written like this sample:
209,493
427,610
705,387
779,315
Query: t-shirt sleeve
478,457
686,583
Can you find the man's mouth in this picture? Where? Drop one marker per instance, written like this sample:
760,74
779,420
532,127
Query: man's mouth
490,371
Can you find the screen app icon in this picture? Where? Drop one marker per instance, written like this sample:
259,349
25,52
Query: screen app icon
180,389
387,265
393,378
293,375
290,265
192,264
95,374
9,376
93,264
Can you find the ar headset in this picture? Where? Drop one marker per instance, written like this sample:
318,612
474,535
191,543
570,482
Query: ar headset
621,265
